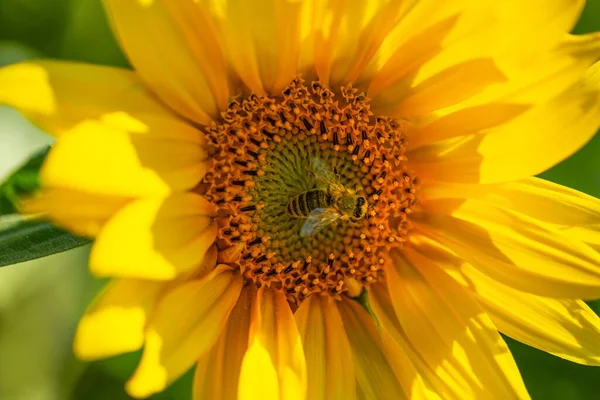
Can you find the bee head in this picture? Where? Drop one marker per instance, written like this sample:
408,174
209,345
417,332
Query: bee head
360,208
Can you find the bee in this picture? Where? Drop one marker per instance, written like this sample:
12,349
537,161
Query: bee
326,204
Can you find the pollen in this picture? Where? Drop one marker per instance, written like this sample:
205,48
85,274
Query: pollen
262,150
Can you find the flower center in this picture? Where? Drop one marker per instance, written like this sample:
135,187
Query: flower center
312,190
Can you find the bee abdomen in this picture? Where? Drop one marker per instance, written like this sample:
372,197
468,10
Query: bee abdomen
317,199
302,205
296,206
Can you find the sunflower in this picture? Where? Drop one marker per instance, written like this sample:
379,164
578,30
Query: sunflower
328,199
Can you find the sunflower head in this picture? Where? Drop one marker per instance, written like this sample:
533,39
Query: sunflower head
261,180
328,199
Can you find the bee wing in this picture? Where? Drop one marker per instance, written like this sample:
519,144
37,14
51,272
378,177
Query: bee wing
318,219
323,172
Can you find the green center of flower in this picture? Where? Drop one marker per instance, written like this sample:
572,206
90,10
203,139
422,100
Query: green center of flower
312,190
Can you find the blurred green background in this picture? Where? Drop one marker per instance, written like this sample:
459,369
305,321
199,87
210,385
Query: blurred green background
41,301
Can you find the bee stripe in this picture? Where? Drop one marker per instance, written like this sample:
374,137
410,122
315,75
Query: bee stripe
303,204
313,198
293,209
297,206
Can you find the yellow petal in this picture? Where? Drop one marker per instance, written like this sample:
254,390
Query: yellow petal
548,75
176,49
381,303
58,95
412,383
407,47
540,199
435,37
264,40
115,321
513,248
328,354
588,234
575,214
451,86
348,33
471,120
482,157
186,325
566,328
113,158
537,83
569,329
258,379
274,366
208,264
81,212
374,373
155,238
217,372
451,332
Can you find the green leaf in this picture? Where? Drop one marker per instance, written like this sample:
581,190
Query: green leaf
23,239
23,181
26,238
